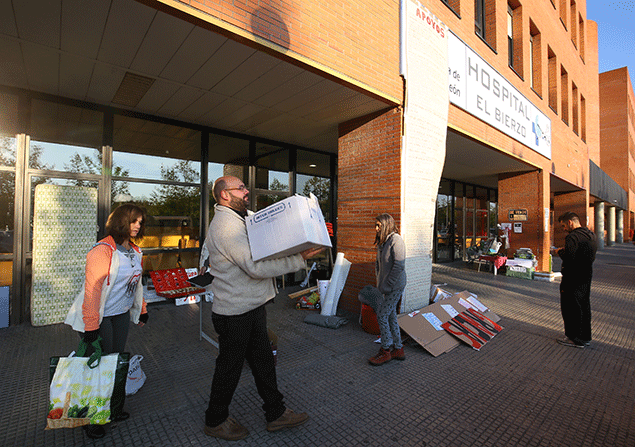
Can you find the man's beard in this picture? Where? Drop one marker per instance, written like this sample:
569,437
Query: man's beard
239,205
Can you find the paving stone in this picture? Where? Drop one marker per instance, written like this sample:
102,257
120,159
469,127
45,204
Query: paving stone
522,388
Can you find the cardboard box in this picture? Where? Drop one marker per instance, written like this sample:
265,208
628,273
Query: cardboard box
424,325
287,227
438,294
519,271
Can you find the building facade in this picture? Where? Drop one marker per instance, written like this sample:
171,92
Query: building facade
151,100
617,139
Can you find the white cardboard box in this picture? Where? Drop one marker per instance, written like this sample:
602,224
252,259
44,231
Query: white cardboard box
287,227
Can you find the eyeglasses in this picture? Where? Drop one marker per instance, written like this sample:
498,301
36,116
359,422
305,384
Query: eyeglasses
240,188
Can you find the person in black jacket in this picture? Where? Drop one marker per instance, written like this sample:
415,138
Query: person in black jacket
577,255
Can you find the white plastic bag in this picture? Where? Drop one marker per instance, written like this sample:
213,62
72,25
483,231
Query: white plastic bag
75,386
136,376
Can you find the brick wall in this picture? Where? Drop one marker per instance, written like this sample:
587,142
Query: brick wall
570,153
617,134
369,166
359,39
575,202
526,191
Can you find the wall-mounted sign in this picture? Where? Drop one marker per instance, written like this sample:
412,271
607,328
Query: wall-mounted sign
481,91
517,215
518,227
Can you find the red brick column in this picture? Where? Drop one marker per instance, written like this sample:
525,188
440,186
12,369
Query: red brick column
578,202
369,183
528,191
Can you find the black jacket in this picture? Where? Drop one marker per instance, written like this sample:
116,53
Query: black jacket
578,254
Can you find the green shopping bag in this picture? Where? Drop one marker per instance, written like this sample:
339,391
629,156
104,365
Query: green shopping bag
86,391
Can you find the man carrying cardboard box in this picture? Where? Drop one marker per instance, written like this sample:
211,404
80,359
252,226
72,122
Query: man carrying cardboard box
241,289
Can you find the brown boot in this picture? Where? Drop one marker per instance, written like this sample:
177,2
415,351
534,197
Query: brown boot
288,419
398,354
231,430
380,358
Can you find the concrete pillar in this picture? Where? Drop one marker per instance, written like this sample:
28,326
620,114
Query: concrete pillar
610,226
599,223
619,237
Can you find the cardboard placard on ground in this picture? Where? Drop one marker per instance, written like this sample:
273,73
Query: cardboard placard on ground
424,325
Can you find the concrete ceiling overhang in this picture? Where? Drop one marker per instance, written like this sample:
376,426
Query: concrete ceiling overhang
126,54
471,161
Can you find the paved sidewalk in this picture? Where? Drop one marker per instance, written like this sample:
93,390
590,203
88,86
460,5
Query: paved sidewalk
521,389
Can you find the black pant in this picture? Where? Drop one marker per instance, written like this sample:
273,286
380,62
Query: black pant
575,304
114,333
243,337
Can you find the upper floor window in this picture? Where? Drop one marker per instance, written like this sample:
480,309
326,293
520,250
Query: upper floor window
553,80
454,5
564,86
479,17
514,36
574,23
581,37
485,21
563,12
510,36
535,59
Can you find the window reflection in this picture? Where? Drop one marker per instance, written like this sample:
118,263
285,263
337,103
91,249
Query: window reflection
466,219
155,167
153,150
65,138
7,151
173,213
318,186
445,227
9,115
62,157
7,208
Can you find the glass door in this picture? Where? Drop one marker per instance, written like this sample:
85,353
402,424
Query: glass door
444,224
270,178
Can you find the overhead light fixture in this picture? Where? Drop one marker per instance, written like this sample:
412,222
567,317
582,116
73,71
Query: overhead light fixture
312,166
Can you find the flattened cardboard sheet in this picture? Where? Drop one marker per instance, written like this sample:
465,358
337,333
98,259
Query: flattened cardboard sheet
425,325
473,328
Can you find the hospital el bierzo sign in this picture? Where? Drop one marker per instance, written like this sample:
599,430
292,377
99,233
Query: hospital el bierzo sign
481,91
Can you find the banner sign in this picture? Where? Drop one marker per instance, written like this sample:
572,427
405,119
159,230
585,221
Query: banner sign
517,215
481,91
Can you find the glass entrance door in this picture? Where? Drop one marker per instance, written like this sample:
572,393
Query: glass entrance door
270,179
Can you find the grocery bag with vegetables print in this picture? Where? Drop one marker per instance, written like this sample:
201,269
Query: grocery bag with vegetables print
79,394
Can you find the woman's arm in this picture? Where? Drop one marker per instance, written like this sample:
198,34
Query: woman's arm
97,268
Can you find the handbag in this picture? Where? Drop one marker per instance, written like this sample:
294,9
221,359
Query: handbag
136,376
84,390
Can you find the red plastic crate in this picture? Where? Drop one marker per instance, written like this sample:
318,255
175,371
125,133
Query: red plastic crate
173,283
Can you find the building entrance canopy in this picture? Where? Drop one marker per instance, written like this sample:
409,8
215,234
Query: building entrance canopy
125,54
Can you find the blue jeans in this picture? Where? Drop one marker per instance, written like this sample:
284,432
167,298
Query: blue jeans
387,320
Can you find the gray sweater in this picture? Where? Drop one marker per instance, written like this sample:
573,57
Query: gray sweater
390,266
240,284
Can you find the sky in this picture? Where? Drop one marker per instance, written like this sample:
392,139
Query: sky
616,33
